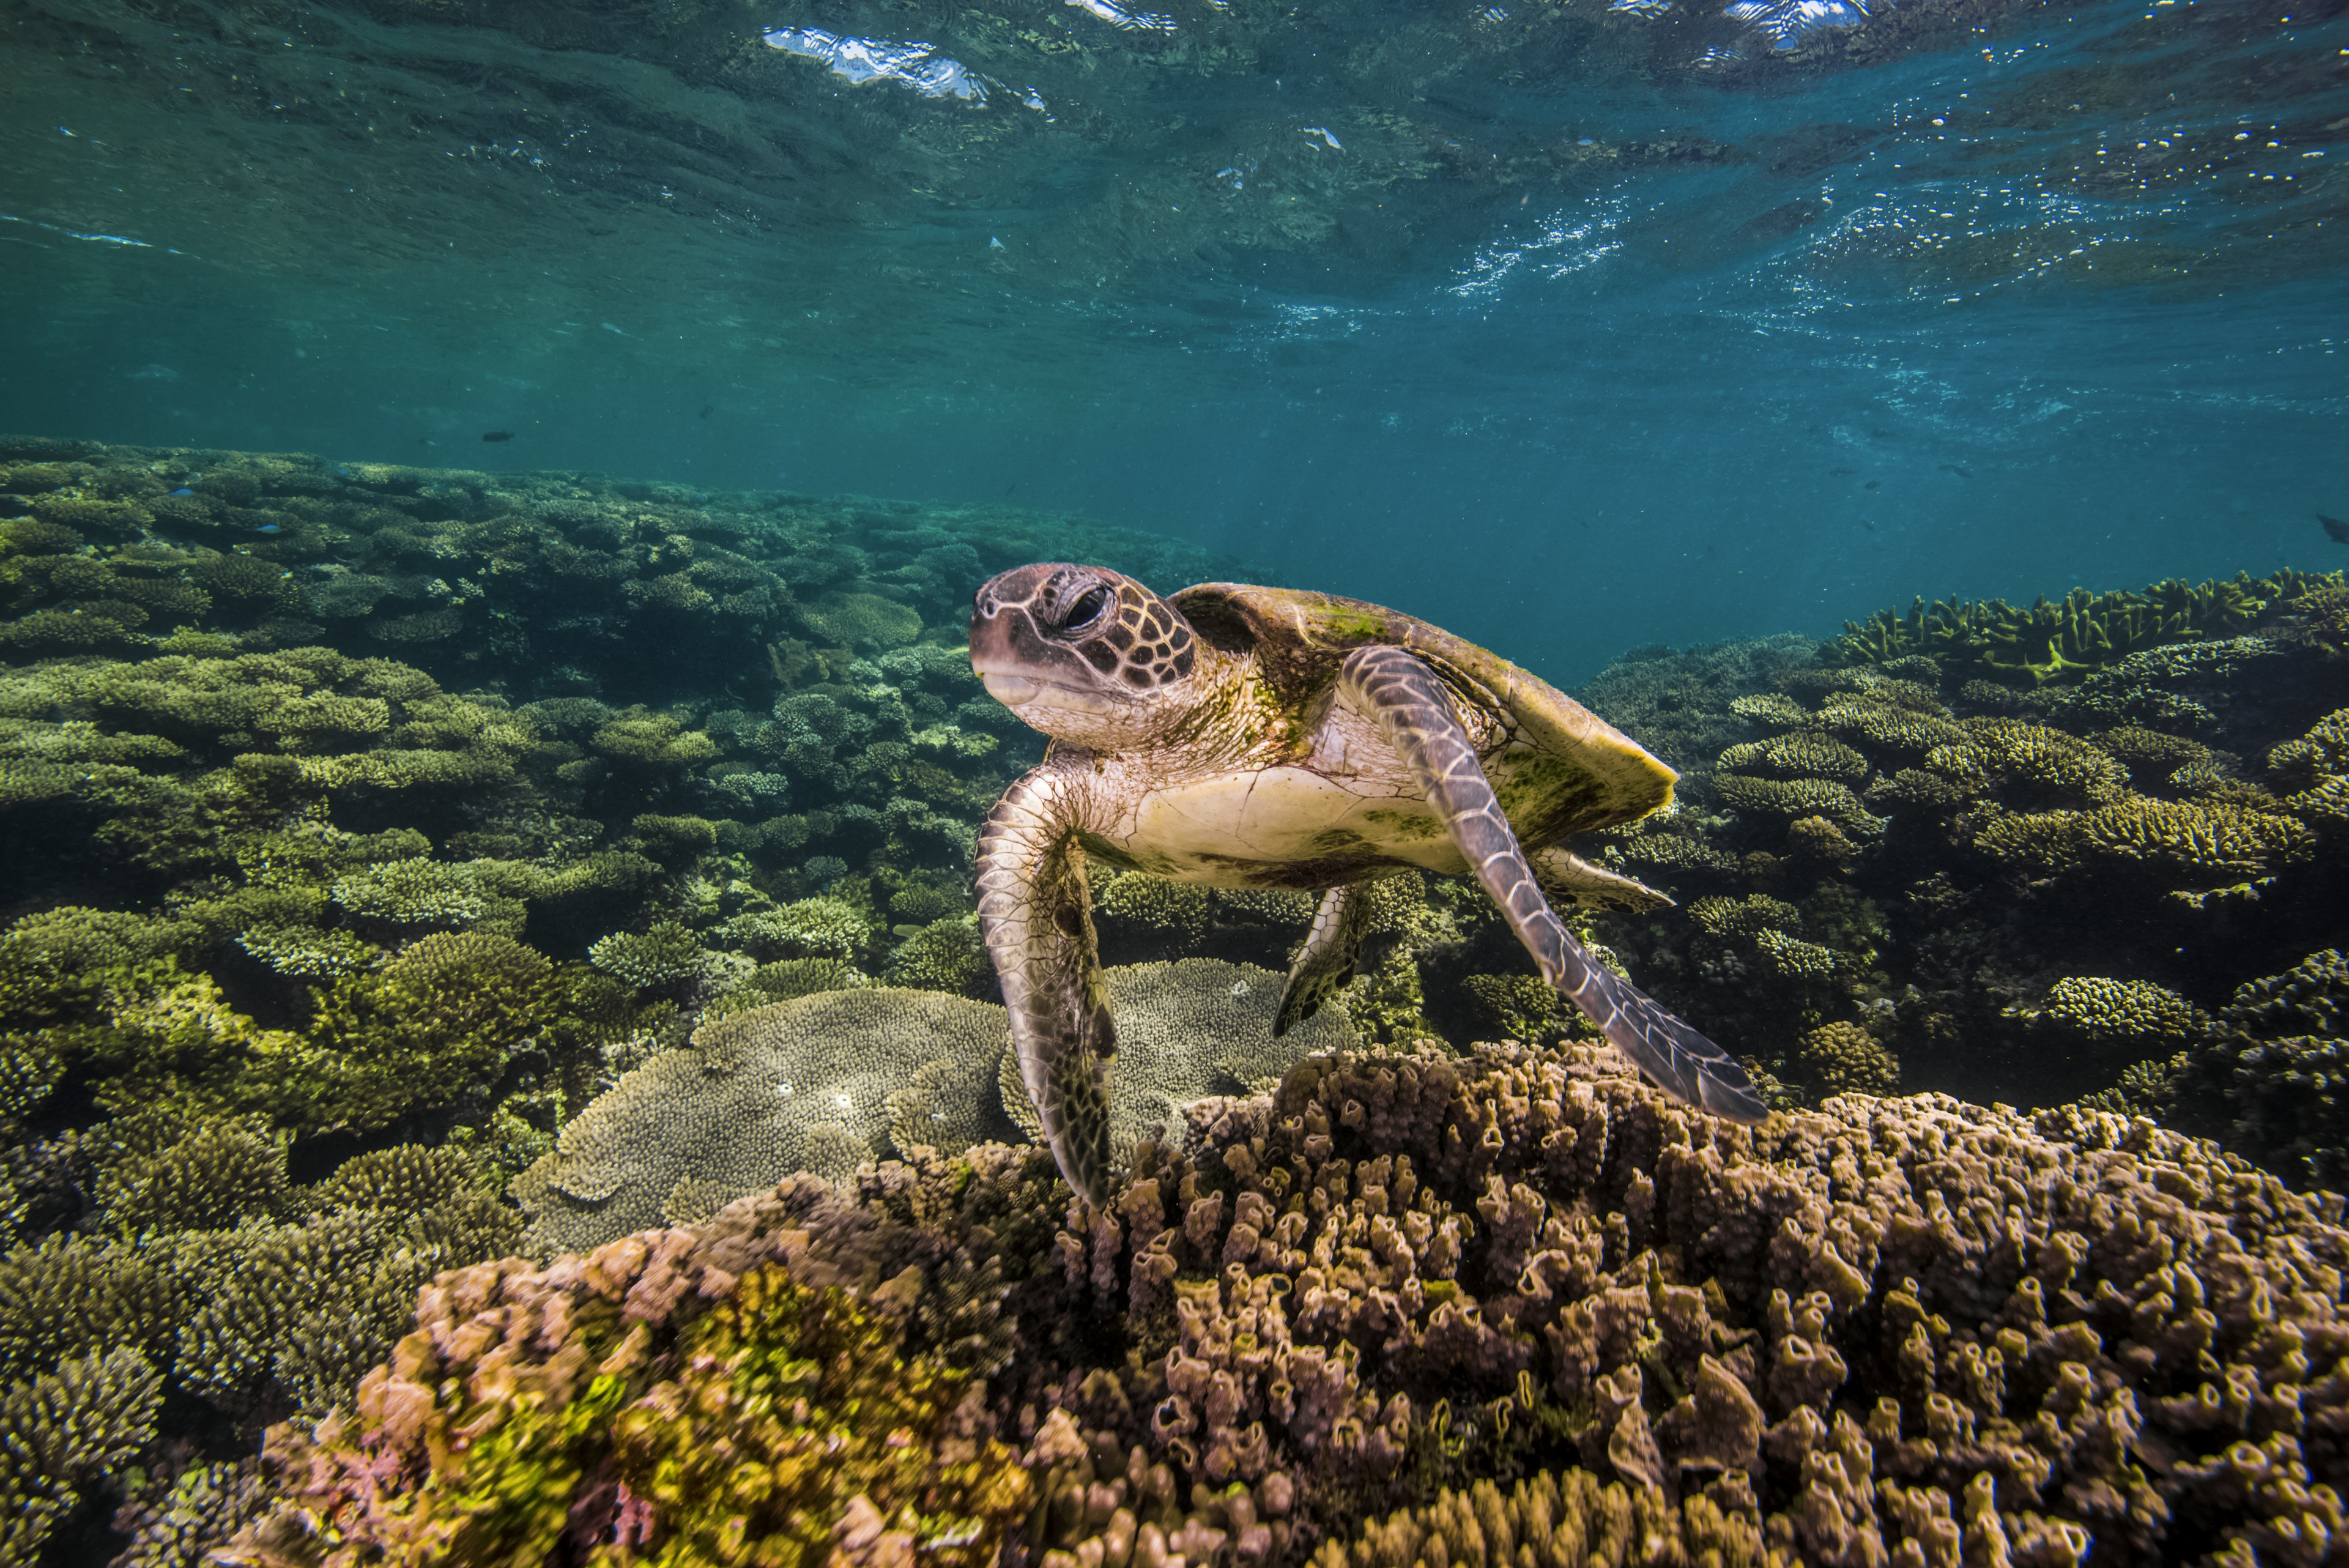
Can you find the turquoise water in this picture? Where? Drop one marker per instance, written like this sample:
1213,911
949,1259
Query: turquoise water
1572,327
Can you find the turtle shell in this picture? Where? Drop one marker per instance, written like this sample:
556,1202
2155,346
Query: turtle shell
1559,769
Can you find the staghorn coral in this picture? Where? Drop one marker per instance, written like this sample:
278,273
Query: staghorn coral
64,1431
945,955
1796,755
2136,1013
417,892
2028,766
2207,843
2085,631
1788,799
664,956
788,978
440,1021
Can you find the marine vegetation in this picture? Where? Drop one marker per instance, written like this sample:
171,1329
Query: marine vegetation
1506,1308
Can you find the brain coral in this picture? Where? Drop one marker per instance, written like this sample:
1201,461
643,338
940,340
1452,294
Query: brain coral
793,1086
1188,1030
829,1081
1887,1332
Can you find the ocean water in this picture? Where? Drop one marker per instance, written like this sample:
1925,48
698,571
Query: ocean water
501,1057
1668,325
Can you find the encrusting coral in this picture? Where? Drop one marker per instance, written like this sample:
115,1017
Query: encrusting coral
1410,1308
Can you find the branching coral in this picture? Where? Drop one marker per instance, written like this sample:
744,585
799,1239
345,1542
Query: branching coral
436,1022
1787,799
63,1430
663,956
1847,1059
2047,641
2137,1013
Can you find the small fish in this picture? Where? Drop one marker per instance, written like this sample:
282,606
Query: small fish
707,409
1960,472
1873,485
497,435
1010,487
1841,473
268,528
1866,525
2335,529
183,490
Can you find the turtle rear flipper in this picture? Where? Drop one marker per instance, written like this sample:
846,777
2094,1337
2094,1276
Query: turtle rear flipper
1398,692
1325,964
1036,915
1571,880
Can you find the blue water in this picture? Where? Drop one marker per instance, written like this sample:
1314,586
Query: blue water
1568,327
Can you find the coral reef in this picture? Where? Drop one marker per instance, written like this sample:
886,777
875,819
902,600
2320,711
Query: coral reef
1896,844
1509,1308
365,879
2084,631
353,820
2272,1073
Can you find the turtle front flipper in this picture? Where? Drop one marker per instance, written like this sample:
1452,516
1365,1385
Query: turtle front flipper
1036,915
1414,712
1325,964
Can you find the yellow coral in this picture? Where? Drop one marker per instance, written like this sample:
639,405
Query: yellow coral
1847,1059
2103,1010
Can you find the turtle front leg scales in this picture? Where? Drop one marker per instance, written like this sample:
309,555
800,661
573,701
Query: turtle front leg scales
1036,915
1400,694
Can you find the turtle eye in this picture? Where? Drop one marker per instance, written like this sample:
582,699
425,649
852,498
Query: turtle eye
1090,605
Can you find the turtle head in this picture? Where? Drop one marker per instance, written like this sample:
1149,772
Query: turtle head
1082,653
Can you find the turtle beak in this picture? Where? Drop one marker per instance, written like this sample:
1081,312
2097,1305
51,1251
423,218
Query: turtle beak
1011,690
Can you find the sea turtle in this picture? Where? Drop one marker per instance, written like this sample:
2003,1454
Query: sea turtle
1253,737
